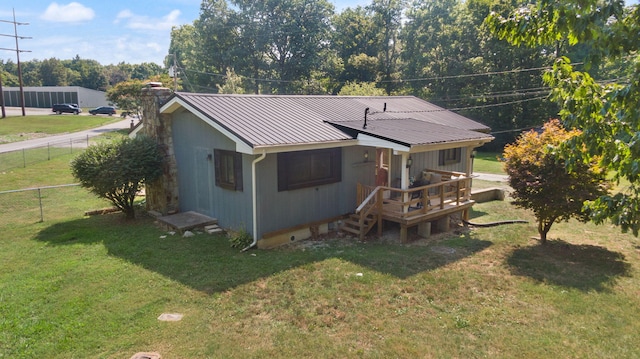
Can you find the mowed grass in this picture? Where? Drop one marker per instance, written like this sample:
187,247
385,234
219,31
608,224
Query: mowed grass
93,287
487,162
18,128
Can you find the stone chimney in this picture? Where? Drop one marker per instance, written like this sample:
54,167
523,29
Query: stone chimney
162,194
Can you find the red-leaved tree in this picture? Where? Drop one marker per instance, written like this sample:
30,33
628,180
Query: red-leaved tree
540,180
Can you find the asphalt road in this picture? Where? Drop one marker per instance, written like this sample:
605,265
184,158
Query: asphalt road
38,142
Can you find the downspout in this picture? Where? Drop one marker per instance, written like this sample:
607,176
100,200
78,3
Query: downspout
254,196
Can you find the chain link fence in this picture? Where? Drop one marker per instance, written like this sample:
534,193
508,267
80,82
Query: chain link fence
33,205
32,155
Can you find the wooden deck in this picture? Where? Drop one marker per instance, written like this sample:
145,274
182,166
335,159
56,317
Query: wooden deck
412,206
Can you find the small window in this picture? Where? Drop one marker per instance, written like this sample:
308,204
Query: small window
228,167
450,156
309,168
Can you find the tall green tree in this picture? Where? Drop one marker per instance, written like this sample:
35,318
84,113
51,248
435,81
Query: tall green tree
53,73
606,113
87,73
355,43
31,73
388,22
450,58
292,34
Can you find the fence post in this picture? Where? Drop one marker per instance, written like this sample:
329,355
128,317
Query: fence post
24,159
70,146
87,140
40,201
48,152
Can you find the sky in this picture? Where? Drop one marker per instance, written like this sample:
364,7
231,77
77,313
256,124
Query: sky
111,31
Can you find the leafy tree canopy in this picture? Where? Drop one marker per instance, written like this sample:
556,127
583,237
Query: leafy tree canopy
361,89
127,95
607,113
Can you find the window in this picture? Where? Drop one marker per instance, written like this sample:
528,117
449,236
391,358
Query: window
450,156
228,168
309,168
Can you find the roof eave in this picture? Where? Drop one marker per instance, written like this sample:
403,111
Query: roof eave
176,102
475,142
259,149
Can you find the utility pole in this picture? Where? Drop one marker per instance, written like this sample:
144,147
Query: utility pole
173,72
18,51
4,113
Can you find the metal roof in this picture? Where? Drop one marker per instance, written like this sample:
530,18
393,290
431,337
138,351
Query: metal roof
275,120
411,132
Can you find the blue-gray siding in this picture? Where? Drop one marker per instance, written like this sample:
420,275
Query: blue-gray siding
193,141
278,210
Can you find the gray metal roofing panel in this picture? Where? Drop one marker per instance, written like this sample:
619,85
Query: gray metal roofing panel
413,132
345,107
264,120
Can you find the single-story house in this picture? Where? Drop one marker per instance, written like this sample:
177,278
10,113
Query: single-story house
288,167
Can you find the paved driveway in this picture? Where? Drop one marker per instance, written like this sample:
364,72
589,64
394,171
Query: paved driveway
38,142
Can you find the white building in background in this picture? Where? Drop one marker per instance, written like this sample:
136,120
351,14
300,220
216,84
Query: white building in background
47,96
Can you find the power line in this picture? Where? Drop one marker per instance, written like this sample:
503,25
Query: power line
463,108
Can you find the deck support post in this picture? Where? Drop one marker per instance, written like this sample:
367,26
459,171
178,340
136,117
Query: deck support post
424,229
403,233
443,224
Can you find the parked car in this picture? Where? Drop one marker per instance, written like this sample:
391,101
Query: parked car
103,110
66,108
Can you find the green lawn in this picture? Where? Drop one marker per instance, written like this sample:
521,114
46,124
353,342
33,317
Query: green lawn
77,287
487,162
18,128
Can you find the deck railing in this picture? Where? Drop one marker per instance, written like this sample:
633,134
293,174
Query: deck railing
390,202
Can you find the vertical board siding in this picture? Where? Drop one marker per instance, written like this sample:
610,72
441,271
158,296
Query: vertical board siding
193,140
277,210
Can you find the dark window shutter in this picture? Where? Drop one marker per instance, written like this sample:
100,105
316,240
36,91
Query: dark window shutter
237,169
441,155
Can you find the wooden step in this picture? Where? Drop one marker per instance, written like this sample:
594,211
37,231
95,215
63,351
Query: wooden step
350,230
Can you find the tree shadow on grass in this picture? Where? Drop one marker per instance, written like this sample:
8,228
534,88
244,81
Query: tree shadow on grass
584,267
207,262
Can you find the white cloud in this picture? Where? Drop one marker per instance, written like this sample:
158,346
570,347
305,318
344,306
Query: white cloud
141,22
72,12
124,14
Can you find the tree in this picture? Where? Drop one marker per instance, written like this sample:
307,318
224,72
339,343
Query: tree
53,73
291,35
388,22
116,171
361,89
355,43
88,73
540,179
232,84
606,112
127,95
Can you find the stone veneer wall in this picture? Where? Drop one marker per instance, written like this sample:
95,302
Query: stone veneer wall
162,194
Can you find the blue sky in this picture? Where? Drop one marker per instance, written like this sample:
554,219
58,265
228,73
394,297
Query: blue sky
111,31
